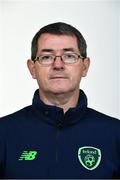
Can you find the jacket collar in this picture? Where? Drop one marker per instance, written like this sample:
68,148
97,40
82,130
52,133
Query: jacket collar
55,115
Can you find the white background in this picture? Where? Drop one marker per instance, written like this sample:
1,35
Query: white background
98,21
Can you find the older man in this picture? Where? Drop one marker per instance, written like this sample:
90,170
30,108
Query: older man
58,136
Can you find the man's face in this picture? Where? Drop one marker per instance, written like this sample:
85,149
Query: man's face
58,77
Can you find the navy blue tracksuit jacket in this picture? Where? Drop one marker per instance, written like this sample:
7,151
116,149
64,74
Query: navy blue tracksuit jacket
40,141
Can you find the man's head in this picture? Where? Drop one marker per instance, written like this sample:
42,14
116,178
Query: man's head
59,59
59,28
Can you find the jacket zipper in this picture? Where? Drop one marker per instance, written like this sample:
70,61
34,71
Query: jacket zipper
56,153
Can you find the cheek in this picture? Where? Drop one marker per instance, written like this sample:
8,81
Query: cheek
76,74
76,79
41,76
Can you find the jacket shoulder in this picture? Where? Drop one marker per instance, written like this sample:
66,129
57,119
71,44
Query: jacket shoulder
102,118
20,114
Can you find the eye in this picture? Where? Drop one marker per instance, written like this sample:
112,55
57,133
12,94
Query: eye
69,56
46,57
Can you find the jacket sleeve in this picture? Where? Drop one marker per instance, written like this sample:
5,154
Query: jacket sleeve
118,152
1,154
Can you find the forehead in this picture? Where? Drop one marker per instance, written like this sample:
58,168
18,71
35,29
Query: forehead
51,41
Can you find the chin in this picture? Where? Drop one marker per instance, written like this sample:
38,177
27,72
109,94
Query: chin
59,91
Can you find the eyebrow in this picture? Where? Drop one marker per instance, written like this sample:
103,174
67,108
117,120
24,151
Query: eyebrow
69,49
47,50
52,50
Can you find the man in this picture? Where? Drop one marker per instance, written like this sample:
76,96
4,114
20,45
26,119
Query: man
58,136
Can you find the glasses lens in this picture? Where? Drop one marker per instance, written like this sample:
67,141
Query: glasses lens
70,58
46,59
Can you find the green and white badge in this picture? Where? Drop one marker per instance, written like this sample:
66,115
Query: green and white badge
89,157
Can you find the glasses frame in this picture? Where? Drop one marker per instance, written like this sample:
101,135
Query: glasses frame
61,57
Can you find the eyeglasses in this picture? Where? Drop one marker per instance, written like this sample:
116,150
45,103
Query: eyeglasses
67,58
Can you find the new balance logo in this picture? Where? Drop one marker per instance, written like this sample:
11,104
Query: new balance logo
28,155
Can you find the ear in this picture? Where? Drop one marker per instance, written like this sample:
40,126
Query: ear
31,67
86,64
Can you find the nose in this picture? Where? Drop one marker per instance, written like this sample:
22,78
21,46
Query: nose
58,63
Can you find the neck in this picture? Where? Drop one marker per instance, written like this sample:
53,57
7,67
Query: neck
63,100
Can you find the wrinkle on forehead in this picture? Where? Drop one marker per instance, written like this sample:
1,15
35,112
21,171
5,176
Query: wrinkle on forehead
49,42
48,50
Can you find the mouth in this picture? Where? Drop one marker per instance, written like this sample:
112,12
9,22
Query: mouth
58,77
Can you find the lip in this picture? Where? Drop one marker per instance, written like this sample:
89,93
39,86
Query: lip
58,77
